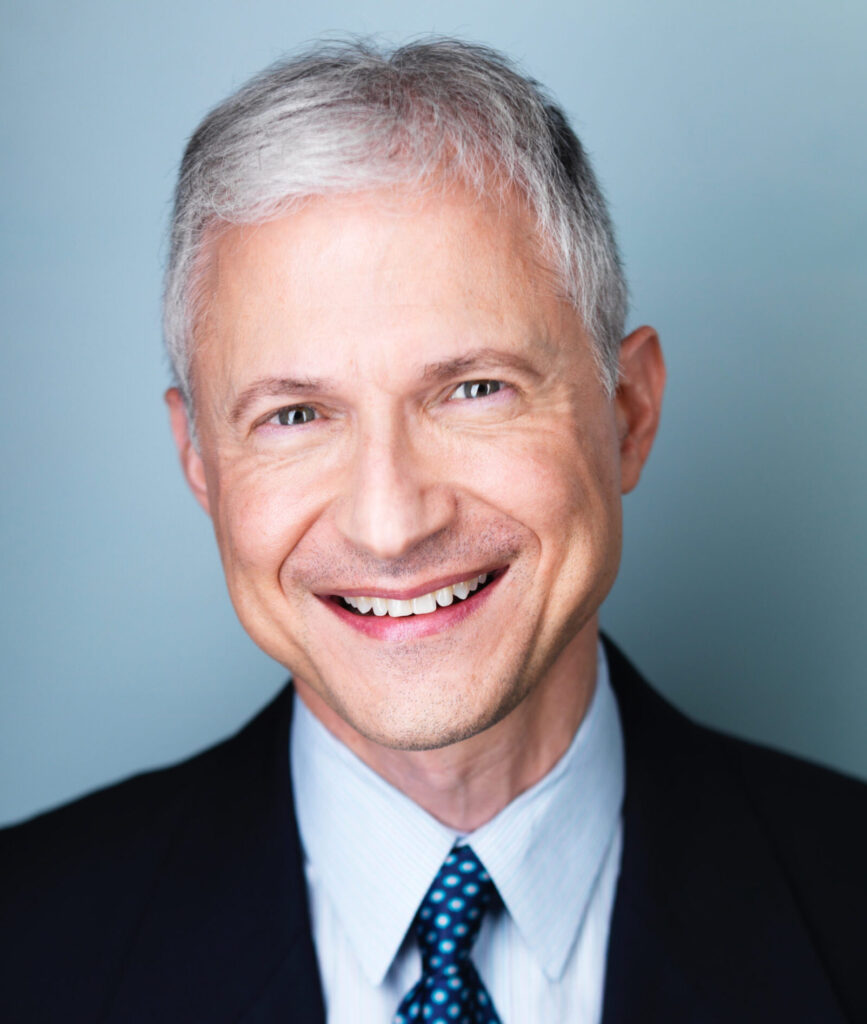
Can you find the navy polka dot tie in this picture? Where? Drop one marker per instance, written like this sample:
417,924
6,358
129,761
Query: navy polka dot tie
450,990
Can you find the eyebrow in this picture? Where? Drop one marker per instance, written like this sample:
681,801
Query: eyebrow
275,387
481,359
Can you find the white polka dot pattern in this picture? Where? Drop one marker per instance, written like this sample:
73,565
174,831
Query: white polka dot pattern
450,990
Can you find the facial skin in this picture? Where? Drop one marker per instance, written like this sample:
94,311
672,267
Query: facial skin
367,320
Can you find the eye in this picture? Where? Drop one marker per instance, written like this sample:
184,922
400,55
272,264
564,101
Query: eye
476,389
293,415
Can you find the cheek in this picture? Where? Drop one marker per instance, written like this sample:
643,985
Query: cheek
262,512
555,478
566,490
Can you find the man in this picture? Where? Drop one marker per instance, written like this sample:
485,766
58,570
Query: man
395,312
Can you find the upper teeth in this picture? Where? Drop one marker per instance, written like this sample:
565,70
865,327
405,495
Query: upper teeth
423,605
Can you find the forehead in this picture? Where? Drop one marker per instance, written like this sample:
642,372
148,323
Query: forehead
393,277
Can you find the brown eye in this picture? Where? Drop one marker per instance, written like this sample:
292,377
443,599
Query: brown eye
476,389
292,415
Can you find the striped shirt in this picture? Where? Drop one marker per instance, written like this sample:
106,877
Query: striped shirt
553,853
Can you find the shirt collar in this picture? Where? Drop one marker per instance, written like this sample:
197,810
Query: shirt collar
376,851
545,849
373,849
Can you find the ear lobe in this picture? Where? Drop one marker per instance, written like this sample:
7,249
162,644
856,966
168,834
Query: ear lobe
191,461
638,401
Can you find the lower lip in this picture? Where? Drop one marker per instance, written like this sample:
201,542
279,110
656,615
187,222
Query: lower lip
413,627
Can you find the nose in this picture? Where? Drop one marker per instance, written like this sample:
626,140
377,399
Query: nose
394,499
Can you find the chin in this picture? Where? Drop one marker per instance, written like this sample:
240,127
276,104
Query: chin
429,719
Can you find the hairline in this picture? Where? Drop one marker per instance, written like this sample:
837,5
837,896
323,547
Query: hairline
564,245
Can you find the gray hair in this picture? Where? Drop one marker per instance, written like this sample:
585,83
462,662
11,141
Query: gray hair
345,117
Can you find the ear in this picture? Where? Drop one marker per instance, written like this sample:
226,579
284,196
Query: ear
191,461
638,401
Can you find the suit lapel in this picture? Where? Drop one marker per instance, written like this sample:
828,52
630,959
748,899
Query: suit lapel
226,936
704,926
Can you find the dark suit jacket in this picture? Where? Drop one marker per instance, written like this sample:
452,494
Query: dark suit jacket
179,896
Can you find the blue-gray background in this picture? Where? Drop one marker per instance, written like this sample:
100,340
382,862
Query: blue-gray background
731,140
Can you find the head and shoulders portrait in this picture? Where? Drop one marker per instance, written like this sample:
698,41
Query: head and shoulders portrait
407,392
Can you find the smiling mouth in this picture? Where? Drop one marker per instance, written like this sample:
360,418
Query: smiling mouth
424,604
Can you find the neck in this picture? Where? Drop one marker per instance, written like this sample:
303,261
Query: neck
466,784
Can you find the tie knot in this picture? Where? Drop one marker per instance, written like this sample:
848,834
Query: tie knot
451,913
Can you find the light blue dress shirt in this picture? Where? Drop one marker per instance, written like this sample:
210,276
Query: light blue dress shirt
553,853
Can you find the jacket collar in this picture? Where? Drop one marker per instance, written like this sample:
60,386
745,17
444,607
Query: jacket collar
226,936
704,926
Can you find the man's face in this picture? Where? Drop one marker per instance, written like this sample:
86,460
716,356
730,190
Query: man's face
392,400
